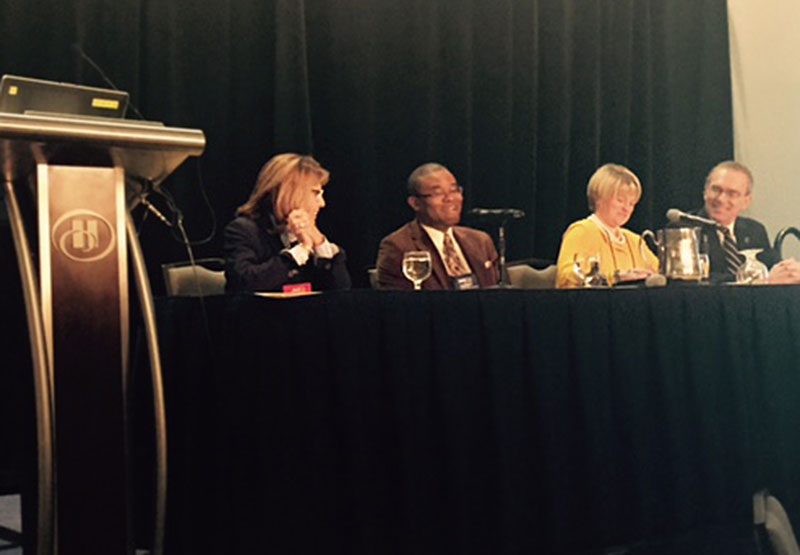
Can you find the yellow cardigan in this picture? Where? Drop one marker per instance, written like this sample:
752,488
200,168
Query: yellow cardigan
586,238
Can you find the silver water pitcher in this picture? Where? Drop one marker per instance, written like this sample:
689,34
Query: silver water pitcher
678,252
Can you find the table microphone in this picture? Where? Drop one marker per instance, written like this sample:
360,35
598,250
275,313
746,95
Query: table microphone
655,280
512,213
674,215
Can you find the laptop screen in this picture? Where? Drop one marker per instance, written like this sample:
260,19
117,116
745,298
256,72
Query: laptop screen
21,95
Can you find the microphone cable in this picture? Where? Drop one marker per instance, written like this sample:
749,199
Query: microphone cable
82,53
177,229
170,200
177,213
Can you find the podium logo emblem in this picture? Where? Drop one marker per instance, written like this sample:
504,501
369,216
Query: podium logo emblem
83,236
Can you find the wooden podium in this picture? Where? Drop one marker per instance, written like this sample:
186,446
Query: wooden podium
77,312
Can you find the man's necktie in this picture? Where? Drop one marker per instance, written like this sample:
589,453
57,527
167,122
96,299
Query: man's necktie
733,258
452,261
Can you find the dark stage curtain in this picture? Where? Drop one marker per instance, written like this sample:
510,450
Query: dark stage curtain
523,99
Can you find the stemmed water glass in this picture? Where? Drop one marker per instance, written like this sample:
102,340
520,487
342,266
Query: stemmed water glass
417,266
752,270
587,268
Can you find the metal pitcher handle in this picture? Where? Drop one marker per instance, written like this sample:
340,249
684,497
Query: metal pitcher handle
643,241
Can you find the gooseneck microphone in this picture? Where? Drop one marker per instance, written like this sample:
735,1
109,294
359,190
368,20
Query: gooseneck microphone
512,213
675,216
655,280
499,217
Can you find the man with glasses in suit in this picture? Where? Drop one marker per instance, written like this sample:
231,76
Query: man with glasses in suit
727,193
462,257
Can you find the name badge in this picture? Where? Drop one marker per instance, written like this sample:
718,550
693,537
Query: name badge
304,287
468,281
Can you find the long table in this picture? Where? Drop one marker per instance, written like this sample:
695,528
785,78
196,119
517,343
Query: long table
500,421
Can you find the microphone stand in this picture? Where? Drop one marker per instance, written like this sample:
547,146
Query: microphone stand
501,244
501,215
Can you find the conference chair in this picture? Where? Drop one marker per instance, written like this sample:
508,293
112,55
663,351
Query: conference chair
205,277
781,235
14,420
372,275
10,463
528,277
10,536
773,530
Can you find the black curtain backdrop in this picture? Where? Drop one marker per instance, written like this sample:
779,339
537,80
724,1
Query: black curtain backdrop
522,99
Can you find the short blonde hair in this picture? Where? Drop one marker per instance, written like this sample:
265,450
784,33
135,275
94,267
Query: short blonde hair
608,180
282,184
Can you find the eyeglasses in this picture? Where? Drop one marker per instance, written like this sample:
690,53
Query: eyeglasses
732,194
442,194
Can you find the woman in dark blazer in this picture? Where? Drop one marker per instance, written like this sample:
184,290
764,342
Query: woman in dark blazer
274,240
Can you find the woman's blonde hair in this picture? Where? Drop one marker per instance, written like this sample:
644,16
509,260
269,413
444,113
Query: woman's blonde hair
282,184
607,181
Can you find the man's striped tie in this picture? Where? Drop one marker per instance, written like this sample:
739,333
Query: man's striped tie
733,258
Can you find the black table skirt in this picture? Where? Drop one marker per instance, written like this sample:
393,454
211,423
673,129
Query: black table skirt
498,422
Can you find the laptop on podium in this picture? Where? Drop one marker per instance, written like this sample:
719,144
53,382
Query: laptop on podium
24,95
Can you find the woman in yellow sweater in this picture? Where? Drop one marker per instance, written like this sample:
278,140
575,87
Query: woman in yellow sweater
613,192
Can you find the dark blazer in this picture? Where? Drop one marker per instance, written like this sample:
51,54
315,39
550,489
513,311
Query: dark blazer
254,261
750,234
477,246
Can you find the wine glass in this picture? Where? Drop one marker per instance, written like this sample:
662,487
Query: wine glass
753,270
588,270
417,267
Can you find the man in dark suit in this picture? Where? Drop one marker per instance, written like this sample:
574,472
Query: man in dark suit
462,257
727,193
